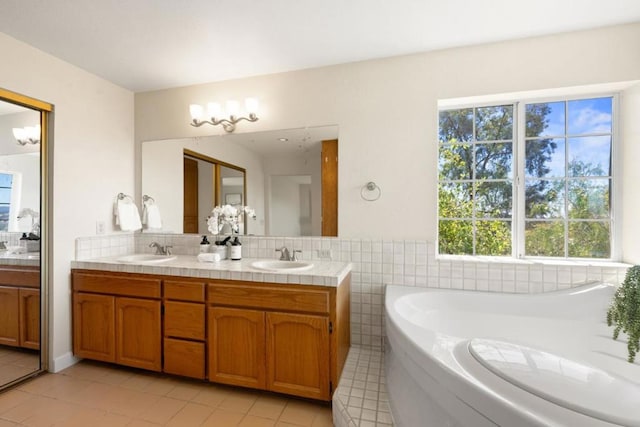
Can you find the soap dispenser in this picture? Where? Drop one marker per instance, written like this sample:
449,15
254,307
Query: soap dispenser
204,245
23,242
236,250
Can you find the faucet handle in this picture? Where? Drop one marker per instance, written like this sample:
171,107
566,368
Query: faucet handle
167,249
293,255
284,253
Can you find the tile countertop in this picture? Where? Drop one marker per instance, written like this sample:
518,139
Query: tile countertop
10,259
323,273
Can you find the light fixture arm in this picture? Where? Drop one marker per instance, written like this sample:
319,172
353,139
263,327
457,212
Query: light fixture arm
229,125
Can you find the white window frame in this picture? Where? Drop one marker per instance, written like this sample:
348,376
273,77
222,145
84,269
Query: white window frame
518,195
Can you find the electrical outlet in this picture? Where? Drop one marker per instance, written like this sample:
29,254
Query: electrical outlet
100,227
324,253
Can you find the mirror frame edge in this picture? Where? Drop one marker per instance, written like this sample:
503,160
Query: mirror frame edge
46,199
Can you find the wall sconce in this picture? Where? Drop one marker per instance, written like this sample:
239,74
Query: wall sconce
214,112
27,135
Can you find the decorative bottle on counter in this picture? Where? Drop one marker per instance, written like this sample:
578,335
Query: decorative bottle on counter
204,245
236,250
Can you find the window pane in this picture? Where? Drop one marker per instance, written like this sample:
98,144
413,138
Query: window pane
6,180
544,238
544,199
589,198
545,158
493,238
590,116
456,126
494,199
455,200
589,240
4,218
494,123
494,161
590,156
545,119
455,237
455,162
5,196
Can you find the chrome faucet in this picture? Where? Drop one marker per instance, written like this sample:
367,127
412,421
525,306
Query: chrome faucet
286,255
161,250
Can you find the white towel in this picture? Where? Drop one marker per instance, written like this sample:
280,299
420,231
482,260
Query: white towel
151,216
127,216
208,258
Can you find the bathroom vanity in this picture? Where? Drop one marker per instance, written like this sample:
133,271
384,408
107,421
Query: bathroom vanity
282,332
20,303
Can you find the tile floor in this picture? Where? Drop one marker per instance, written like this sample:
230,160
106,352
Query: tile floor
96,395
16,363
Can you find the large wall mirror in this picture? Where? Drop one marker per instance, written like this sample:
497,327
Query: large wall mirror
24,124
288,176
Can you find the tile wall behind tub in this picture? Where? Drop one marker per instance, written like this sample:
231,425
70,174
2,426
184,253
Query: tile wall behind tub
379,262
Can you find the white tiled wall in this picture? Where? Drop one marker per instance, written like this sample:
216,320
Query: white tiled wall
380,262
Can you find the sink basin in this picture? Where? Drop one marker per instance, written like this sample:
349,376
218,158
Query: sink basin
145,258
277,265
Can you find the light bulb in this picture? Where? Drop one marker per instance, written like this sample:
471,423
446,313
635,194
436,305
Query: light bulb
233,108
251,105
20,134
196,111
214,110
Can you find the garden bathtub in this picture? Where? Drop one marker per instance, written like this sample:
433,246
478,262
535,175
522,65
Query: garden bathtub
459,358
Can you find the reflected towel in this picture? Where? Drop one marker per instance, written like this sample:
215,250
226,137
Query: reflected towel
151,216
127,216
208,258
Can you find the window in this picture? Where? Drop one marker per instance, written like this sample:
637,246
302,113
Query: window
562,205
6,182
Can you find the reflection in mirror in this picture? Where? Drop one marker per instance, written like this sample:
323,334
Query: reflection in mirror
19,243
271,159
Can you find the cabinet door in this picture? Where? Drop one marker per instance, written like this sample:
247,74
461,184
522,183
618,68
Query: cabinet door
9,316
236,344
138,333
182,357
30,318
93,326
298,355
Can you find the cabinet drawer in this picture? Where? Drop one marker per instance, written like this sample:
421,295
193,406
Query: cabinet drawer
267,297
184,320
186,358
117,285
28,277
184,291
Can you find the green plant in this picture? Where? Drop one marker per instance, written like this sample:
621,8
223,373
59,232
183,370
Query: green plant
624,311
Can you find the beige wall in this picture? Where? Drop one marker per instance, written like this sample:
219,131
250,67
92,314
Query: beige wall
630,104
387,112
93,160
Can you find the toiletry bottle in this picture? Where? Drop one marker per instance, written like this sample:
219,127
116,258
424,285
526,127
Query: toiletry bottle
204,245
236,250
23,242
220,247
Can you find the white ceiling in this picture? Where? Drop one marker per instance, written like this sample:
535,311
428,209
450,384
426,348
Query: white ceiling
152,44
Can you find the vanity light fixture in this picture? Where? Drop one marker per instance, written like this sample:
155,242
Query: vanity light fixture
218,117
27,135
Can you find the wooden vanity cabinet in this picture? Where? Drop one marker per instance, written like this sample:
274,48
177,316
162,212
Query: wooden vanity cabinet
289,339
20,306
117,318
184,328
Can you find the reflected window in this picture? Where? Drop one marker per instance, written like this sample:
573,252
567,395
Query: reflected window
6,185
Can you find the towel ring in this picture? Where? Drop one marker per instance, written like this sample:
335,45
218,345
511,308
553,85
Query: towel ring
146,199
122,196
370,192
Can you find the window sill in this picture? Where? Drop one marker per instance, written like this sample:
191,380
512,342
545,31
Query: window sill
531,261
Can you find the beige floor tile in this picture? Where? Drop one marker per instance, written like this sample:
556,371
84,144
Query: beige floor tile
268,407
211,396
130,403
185,391
222,418
49,412
160,386
82,417
4,423
86,371
95,395
25,409
142,423
192,414
299,413
12,398
253,421
162,410
238,401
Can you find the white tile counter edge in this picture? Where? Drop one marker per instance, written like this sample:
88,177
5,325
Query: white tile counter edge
323,273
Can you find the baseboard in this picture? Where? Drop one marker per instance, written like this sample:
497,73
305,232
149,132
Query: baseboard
63,362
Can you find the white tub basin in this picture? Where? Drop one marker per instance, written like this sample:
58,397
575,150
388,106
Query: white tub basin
277,265
145,258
